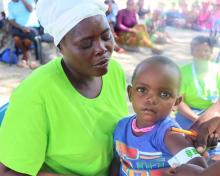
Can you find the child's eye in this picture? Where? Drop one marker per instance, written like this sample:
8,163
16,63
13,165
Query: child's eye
141,89
165,94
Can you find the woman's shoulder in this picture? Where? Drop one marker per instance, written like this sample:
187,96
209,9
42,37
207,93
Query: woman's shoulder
186,69
186,66
122,11
41,77
114,66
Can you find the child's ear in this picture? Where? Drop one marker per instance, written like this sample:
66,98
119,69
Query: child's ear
129,91
178,101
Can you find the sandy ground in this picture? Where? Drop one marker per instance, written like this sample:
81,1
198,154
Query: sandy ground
12,75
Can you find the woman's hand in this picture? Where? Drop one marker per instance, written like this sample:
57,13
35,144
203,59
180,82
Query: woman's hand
208,133
132,30
25,30
184,170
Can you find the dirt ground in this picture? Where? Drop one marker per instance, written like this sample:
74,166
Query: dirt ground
12,75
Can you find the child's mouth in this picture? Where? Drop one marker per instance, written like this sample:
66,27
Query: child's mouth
149,111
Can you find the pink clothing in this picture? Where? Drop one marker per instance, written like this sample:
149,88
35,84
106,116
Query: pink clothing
204,18
126,19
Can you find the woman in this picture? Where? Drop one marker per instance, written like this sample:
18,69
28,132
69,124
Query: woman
203,22
129,32
71,104
200,84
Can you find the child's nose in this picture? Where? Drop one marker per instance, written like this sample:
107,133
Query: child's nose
152,99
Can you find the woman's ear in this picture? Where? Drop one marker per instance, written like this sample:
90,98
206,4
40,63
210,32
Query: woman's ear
129,91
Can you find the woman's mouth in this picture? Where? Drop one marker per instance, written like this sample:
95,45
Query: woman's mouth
102,63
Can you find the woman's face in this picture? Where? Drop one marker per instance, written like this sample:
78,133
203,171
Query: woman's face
88,47
202,52
131,5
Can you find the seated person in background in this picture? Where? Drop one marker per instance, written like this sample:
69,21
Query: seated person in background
129,32
192,16
156,28
215,17
111,16
2,19
200,84
144,142
142,12
174,17
25,25
203,22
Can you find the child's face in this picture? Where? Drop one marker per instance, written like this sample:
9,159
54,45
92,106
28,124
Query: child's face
202,52
154,93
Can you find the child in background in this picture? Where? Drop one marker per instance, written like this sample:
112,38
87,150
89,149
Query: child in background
200,84
144,142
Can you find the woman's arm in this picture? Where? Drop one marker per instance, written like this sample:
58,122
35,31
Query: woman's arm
5,171
114,167
27,5
185,110
212,111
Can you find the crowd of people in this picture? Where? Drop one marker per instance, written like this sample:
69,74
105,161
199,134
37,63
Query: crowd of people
70,116
201,16
134,26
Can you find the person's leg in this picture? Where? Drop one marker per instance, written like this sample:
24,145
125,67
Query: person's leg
18,43
27,43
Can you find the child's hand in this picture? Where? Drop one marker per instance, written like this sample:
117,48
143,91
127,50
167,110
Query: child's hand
184,170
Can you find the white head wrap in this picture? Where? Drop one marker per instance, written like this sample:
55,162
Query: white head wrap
59,16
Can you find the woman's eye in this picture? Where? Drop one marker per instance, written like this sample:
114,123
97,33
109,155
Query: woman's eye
107,36
165,94
86,44
141,89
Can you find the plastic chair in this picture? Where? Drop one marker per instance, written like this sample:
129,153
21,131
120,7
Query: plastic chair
2,112
39,39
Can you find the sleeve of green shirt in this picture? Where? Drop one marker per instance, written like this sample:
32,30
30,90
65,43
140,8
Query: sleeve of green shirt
19,150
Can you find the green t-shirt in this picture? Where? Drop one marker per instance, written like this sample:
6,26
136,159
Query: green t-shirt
50,125
208,81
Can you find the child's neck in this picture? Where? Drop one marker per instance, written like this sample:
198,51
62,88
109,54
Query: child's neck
137,130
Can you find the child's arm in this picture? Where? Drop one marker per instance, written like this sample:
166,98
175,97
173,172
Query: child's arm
175,142
114,167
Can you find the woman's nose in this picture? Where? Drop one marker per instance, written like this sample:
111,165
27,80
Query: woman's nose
100,47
